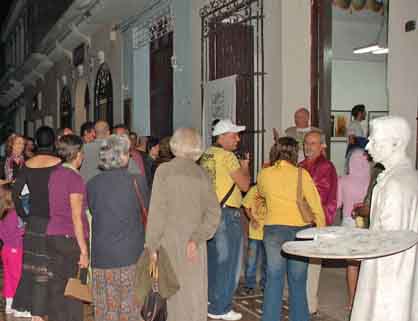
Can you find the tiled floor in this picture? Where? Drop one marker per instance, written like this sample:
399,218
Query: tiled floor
332,294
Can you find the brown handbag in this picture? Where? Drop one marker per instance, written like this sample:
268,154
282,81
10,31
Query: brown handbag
304,208
77,290
155,306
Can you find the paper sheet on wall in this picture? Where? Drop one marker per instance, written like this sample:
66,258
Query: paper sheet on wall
49,121
38,123
219,103
31,130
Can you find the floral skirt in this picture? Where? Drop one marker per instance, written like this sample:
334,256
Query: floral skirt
114,296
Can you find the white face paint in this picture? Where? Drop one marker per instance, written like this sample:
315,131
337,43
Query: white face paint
380,146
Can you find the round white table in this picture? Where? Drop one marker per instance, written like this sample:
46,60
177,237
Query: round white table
350,243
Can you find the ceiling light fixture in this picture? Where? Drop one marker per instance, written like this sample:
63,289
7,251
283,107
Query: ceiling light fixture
379,46
380,51
366,49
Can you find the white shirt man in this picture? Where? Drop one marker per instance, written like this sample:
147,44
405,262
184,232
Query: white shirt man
299,131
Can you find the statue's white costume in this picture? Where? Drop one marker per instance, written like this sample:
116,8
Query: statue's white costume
387,288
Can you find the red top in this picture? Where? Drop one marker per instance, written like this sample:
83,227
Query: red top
325,178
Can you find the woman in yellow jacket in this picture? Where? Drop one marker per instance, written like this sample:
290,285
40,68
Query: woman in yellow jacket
277,184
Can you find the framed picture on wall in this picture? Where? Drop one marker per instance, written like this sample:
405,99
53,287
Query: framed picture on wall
375,114
49,121
38,123
31,129
340,119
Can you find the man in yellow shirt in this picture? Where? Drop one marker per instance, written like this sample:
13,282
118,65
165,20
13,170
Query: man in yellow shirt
229,176
255,209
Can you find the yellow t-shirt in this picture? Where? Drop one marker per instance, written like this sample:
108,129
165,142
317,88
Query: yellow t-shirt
220,163
258,210
278,186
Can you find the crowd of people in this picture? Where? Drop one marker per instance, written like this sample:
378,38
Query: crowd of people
98,200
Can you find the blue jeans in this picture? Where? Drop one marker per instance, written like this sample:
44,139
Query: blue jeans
280,265
255,252
224,261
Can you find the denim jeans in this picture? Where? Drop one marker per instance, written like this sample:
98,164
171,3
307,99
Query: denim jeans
280,265
255,252
224,261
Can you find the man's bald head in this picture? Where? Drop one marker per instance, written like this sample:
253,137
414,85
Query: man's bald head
302,118
102,129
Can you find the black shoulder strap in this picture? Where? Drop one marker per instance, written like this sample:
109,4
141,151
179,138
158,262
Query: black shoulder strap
226,197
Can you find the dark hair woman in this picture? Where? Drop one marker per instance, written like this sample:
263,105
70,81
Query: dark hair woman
67,229
283,220
31,296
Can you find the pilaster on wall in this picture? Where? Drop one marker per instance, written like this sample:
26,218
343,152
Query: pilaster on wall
184,113
403,66
273,80
295,33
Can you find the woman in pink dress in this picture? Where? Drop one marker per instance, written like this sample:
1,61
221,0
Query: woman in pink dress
352,189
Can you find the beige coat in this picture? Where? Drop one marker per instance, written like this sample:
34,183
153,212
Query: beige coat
184,207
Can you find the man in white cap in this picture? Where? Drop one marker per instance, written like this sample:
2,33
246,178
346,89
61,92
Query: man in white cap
230,176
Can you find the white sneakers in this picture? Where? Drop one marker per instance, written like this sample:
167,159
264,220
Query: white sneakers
230,316
21,314
9,310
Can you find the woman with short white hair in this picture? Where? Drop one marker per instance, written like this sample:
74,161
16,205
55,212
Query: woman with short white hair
117,231
184,214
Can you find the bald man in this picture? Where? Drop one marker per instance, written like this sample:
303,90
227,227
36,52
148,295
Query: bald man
89,168
302,118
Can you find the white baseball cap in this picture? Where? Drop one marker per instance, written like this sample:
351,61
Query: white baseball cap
226,126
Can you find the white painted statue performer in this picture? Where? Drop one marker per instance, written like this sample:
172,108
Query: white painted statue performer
387,288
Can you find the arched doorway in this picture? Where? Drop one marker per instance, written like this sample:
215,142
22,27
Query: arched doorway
82,103
103,95
66,108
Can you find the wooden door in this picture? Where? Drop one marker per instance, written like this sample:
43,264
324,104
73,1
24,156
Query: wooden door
161,86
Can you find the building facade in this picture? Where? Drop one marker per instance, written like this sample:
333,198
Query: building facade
149,63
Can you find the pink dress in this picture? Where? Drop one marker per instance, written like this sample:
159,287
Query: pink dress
352,188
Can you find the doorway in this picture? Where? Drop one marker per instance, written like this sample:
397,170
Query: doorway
161,86
103,95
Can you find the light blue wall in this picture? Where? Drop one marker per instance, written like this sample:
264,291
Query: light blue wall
141,92
137,69
136,78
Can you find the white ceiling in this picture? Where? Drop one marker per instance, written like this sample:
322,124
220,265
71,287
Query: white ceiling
362,16
352,29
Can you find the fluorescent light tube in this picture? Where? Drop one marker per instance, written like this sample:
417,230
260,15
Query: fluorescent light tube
366,49
380,51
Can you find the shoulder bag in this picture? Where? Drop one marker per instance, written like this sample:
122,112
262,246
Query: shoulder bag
78,290
144,211
227,196
303,206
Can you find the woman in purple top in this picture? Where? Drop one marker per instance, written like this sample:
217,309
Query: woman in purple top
11,233
67,229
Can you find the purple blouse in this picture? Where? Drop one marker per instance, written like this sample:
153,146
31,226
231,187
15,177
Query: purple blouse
11,230
62,183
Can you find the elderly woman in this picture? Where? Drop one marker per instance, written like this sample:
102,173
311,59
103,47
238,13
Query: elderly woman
184,214
67,229
283,220
117,231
